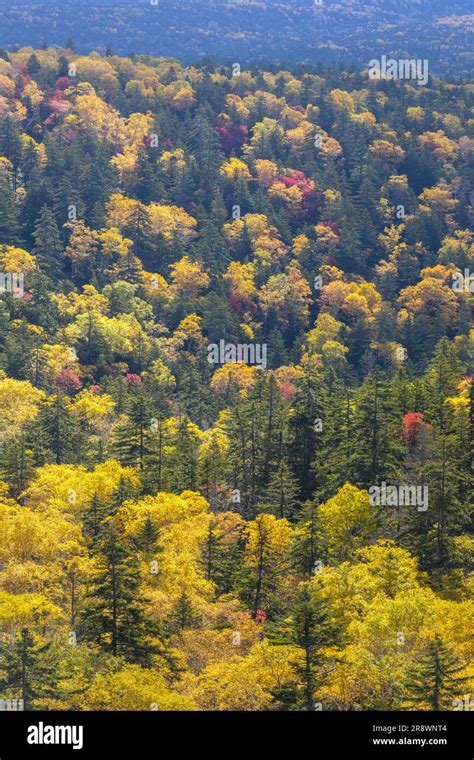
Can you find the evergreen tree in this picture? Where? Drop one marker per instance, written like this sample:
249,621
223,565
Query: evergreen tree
17,465
445,472
48,247
147,538
115,614
182,461
92,518
125,490
307,547
204,143
310,414
376,443
56,431
133,437
434,678
139,230
311,629
221,558
280,496
183,615
10,230
24,671
264,567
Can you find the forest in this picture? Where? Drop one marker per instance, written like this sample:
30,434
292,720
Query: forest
236,401
282,32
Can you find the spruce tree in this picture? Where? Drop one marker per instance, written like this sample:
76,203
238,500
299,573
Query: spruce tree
446,471
139,230
280,496
376,441
221,557
56,431
17,464
48,247
10,230
147,538
92,518
183,615
24,671
434,678
308,418
307,547
115,614
133,438
311,629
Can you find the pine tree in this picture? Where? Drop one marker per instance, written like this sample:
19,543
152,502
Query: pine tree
307,547
376,442
221,558
133,438
311,629
24,672
56,431
183,615
115,613
280,496
48,247
434,678
147,538
139,230
10,230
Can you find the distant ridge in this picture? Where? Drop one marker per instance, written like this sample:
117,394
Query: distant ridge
252,30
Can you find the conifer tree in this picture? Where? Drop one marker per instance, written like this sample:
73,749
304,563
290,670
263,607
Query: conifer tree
376,445
280,496
221,558
48,247
183,615
182,462
265,565
306,550
139,230
311,629
17,465
24,671
445,470
434,678
10,230
133,437
92,518
115,614
147,538
56,430
309,417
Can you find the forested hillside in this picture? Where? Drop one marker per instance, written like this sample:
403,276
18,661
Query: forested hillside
236,404
281,31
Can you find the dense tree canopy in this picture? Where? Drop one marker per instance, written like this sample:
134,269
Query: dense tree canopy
235,307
